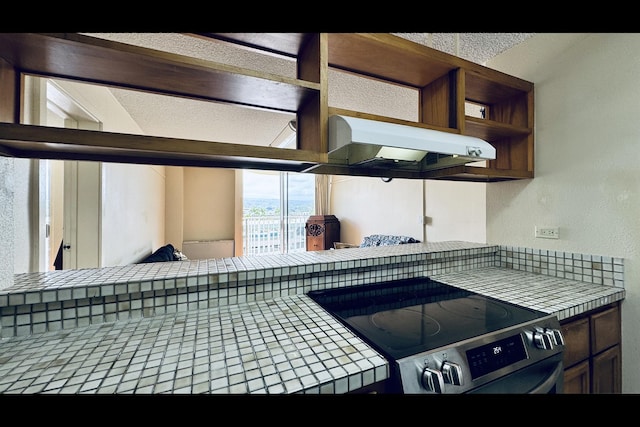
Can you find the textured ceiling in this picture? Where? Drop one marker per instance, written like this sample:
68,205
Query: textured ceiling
182,118
475,47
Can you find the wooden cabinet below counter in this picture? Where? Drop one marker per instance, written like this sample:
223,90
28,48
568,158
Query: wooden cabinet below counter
592,357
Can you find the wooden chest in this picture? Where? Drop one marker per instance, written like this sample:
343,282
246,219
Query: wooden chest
322,231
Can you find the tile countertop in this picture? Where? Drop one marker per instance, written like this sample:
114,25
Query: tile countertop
285,344
562,297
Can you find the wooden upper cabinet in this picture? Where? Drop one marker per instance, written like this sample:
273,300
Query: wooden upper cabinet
445,85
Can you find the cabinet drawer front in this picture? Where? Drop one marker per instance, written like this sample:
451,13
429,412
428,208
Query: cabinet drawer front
576,338
605,329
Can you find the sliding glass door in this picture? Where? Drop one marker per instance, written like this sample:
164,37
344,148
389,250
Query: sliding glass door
276,206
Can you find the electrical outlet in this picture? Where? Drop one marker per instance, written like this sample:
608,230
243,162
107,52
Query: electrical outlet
547,232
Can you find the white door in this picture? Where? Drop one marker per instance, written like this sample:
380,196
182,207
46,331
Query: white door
82,208
70,214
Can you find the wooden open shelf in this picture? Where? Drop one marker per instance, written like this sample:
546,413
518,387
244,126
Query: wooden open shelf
445,84
72,144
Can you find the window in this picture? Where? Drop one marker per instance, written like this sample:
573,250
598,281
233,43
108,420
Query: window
276,206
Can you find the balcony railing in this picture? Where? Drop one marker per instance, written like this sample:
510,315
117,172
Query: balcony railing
263,235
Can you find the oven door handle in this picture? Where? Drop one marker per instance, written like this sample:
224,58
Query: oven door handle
552,381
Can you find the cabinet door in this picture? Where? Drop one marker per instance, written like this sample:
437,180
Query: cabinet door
576,379
576,338
607,372
605,329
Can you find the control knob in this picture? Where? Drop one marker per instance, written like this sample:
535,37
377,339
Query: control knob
432,380
452,373
547,338
556,336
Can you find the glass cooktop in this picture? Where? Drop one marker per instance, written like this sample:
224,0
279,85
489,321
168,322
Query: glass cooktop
406,317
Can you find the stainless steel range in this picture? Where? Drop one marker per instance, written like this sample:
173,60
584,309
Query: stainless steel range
442,339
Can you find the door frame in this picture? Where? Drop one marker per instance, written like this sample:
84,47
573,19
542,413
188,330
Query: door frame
81,199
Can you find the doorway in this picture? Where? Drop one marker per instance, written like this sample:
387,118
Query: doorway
67,197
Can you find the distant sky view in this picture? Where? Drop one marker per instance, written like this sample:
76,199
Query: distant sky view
266,185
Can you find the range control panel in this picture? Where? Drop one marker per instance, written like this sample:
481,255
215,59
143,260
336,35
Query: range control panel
470,364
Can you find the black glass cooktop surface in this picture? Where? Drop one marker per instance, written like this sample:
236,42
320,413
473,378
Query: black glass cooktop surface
406,317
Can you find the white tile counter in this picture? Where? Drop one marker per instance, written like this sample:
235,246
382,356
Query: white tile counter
286,345
563,297
237,326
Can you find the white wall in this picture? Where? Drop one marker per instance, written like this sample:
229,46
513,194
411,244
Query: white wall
18,178
455,211
364,206
7,220
133,214
587,176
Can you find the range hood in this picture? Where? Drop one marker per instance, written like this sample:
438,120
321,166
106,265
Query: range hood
362,143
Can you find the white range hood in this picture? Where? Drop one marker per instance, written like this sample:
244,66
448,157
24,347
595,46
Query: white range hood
356,142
